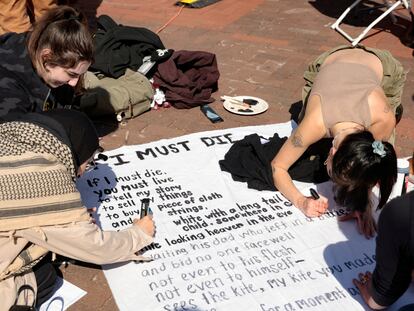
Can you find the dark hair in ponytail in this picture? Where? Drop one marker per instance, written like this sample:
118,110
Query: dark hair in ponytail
65,32
356,168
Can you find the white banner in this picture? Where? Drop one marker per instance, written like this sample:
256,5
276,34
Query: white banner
220,245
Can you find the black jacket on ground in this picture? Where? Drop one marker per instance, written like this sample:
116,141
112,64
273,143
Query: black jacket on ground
248,160
21,88
119,47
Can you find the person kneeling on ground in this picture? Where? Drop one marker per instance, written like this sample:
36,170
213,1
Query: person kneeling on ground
40,69
41,155
394,256
348,90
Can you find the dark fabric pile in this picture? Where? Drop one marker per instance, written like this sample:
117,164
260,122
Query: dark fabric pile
248,160
119,47
188,78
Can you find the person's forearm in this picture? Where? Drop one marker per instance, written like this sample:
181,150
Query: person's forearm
86,242
364,283
283,182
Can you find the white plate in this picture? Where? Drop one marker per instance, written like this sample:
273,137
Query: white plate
260,107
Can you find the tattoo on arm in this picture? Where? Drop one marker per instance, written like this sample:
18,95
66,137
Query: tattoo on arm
297,140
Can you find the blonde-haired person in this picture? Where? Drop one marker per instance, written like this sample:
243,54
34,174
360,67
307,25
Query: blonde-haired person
40,69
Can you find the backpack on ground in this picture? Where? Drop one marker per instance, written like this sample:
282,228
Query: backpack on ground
126,97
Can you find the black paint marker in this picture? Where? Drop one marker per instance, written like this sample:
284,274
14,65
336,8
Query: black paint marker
144,207
314,194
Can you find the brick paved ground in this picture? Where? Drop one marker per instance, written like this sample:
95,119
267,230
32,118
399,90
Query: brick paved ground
262,47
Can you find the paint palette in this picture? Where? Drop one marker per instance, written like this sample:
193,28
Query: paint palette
245,105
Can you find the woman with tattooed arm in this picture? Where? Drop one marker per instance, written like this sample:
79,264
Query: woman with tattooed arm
352,95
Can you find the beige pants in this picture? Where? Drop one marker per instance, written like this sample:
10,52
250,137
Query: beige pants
17,15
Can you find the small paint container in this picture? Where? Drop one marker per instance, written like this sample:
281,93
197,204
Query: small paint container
403,166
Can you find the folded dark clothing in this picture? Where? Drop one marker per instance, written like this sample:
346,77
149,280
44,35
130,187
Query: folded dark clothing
188,78
248,160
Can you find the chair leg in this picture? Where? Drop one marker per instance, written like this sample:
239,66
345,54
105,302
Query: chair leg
407,4
345,13
355,41
388,5
376,21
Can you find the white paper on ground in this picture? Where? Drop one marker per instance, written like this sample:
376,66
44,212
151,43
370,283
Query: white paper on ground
220,245
66,294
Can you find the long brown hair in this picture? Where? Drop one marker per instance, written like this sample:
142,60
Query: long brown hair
65,32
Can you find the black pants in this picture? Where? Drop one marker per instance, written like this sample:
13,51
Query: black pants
46,275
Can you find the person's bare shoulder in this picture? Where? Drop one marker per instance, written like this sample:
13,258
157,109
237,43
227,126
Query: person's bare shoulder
313,119
382,115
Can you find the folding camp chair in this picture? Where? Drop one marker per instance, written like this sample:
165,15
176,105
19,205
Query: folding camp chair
389,4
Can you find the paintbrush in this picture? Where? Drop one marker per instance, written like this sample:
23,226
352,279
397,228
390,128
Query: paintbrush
246,102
